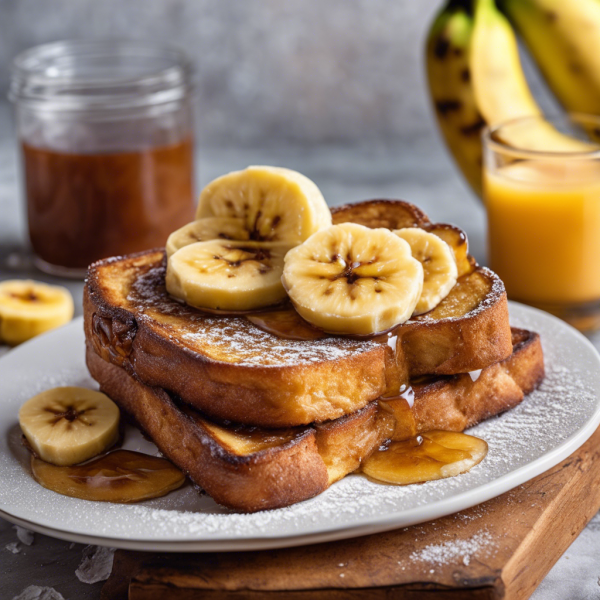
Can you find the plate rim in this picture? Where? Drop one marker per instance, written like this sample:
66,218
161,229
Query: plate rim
370,525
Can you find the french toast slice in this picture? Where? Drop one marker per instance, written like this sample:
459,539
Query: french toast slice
250,469
231,370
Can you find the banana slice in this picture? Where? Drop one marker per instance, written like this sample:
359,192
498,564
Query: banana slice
203,230
439,266
227,275
354,280
68,425
28,308
275,204
429,456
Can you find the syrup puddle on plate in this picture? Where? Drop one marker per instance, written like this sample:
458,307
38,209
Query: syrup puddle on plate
121,476
431,455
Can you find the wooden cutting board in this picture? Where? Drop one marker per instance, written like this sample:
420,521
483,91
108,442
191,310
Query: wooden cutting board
500,549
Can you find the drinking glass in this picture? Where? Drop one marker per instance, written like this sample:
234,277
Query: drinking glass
541,188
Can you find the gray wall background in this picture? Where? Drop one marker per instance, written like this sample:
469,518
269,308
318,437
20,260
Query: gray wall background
296,70
304,71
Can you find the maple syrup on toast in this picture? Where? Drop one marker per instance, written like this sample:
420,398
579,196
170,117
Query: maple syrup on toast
287,324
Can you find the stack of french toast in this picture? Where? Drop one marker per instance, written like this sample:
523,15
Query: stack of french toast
265,380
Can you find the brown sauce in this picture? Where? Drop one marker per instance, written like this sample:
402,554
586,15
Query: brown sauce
84,207
432,455
121,476
405,424
286,323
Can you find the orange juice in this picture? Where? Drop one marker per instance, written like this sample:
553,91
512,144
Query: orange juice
544,229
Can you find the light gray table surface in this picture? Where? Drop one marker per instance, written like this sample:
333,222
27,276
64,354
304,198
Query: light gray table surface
414,169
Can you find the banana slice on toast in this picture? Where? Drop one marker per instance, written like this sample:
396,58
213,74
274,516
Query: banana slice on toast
439,266
204,230
69,425
225,275
350,279
274,204
28,308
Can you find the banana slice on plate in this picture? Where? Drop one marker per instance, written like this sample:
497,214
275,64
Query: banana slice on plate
69,425
439,266
224,275
28,308
275,204
350,279
203,230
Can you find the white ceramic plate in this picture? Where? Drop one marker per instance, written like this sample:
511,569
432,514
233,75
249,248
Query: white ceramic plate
548,426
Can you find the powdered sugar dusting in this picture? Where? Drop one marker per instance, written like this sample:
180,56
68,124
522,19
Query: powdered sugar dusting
494,294
241,339
230,339
450,551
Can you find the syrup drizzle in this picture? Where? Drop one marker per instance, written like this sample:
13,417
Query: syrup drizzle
287,324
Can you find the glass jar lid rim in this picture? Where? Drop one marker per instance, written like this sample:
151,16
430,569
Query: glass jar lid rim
97,74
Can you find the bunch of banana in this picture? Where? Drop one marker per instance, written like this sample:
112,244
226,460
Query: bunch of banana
28,308
564,38
476,79
231,256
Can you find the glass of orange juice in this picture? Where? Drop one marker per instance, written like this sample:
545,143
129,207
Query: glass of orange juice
541,187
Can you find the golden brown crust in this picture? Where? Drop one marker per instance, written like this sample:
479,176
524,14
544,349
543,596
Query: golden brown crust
526,365
231,370
389,214
459,344
265,395
461,401
274,468
397,214
285,395
267,479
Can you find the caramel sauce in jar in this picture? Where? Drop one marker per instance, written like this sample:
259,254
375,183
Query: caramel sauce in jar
122,476
106,133
84,207
425,457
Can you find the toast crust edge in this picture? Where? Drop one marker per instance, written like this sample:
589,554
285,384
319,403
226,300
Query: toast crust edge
318,455
287,395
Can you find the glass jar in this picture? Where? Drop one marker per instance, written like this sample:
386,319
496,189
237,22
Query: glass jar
106,135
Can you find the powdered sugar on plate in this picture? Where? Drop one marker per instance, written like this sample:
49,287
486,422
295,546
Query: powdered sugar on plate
550,424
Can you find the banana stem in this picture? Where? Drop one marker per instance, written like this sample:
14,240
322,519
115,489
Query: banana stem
466,5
